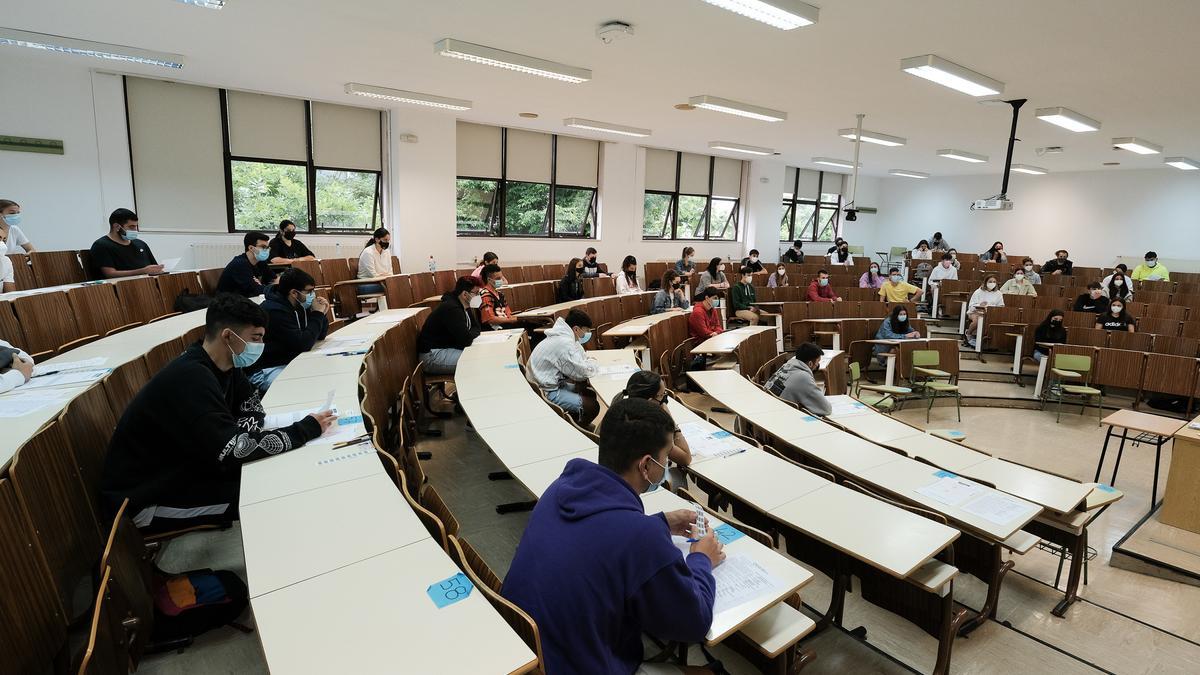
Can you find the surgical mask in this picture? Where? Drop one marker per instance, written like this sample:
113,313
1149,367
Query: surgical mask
249,355
874,270
746,279
716,303
476,302
1019,277
991,285
1119,282
129,235
954,255
753,258
823,282
586,336
895,278
781,271
1151,263
946,264
902,317
13,219
308,299
1116,309
654,485
1029,268
289,234
261,254
497,283
384,244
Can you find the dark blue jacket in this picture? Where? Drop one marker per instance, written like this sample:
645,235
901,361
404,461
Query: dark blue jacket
595,572
245,279
291,330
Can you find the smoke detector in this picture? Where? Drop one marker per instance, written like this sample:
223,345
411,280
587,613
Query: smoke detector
1049,150
611,31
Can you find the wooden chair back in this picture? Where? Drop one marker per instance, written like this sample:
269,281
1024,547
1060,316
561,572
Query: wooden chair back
398,291
10,326
141,299
1170,374
433,501
1159,326
34,628
431,522
89,422
123,383
97,310
1091,337
160,355
1119,368
47,320
23,276
132,565
755,351
171,286
597,287
334,270
443,281
1138,342
105,652
313,267
209,278
56,268
423,286
1175,345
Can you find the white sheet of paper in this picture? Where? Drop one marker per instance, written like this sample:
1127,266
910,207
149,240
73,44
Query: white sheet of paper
328,400
951,490
390,318
997,508
617,369
487,338
741,579
279,420
844,406
170,264
701,442
66,379
21,405
43,368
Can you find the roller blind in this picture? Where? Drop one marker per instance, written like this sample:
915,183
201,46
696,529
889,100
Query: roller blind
660,169
727,178
832,183
267,127
345,137
178,157
576,161
789,182
478,150
693,174
808,184
527,156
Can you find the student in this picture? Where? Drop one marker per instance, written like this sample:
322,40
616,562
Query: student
842,256
684,265
1050,331
896,289
591,268
10,234
297,320
494,313
705,321
1118,287
120,253
286,248
1116,318
559,365
995,253
627,281
1030,274
922,252
837,243
871,278
743,298
945,270
570,287
670,295
987,295
1018,285
713,276
1092,301
16,367
752,262
953,253
1122,268
595,572
248,274
795,381
795,254
451,327
647,385
1059,265
819,289
177,451
375,261
489,258
895,327
1151,270
780,278
938,243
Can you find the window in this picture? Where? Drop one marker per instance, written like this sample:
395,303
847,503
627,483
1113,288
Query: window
806,217
517,183
265,193
691,196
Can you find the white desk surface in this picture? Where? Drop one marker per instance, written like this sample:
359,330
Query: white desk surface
304,535
538,476
311,365
300,470
375,617
522,443
1057,494
760,478
641,325
948,455
502,410
788,423
849,453
13,295
739,389
726,342
876,427
548,310
312,390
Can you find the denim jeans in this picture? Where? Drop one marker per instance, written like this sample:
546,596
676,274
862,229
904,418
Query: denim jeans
441,361
567,399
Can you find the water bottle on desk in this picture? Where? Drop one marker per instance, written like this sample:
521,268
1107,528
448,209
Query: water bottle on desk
432,265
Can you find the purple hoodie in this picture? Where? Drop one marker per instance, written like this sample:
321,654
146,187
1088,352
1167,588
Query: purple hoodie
595,572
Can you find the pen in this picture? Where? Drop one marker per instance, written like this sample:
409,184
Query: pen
356,441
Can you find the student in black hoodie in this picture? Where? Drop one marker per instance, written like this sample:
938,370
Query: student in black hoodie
451,328
1051,331
570,287
248,274
297,321
1092,301
177,451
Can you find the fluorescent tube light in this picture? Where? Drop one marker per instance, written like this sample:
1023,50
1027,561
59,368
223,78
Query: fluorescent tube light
520,63
1134,144
963,156
207,4
785,14
873,137
1029,169
99,50
738,147
737,108
1067,119
1183,163
402,96
593,125
908,174
840,163
950,74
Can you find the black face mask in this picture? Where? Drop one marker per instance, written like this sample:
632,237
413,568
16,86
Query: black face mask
1056,324
675,286
289,234
384,244
591,259
578,270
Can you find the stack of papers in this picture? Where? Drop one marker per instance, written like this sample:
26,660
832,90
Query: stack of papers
353,345
19,405
741,579
950,489
844,406
487,338
58,367
71,378
705,441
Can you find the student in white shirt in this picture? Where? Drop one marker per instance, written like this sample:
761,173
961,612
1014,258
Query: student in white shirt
944,270
375,261
1019,285
16,367
627,281
922,252
841,255
987,295
1121,269
12,240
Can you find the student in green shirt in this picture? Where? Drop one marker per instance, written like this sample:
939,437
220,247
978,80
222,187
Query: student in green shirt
743,298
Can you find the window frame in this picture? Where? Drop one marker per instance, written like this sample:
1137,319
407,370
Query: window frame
819,206
673,209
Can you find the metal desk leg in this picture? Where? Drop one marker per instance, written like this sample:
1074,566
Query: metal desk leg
890,378
1041,380
1157,460
1120,451
1078,556
1103,452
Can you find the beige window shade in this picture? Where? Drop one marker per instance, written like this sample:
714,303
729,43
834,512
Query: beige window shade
789,182
832,183
478,150
267,127
693,174
808,184
576,161
727,178
178,158
660,169
527,156
345,137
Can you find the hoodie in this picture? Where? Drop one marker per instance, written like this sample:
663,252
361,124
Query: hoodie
559,358
450,326
595,572
794,382
291,330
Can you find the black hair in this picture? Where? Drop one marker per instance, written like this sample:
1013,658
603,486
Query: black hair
252,239
1151,254
923,241
947,256
712,267
590,250
642,384
843,251
746,270
995,244
798,244
1122,266
713,292
629,276
1118,293
1124,315
1046,321
893,269
897,325
820,272
284,223
464,284
807,351
488,270
937,235
577,318
489,255
754,251
121,216
990,277
232,311
1062,250
633,428
295,279
376,236
687,250
668,278
572,270
1095,286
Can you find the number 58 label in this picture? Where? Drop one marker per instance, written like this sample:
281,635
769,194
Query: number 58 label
451,590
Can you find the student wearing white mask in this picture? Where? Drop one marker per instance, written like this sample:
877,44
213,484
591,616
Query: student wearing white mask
1118,287
944,270
1092,301
713,275
896,289
1116,318
987,295
451,328
779,278
248,274
1151,270
1031,275
1122,268
560,366
297,319
1019,285
16,367
752,261
12,240
895,327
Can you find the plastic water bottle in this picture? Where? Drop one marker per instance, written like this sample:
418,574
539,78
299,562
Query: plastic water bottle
432,264
701,528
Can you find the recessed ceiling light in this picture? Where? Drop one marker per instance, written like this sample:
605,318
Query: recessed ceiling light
785,14
1112,163
593,125
1134,144
1067,119
207,4
528,115
908,174
401,96
520,63
738,147
737,108
99,50
840,163
1183,163
963,156
950,74
873,137
1029,169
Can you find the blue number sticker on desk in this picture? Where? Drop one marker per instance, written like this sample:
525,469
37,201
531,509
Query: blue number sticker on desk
726,533
349,419
945,474
1105,488
721,434
450,591
511,365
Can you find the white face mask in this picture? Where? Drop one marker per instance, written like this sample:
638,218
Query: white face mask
991,285
476,301
1019,277
1119,282
753,258
874,270
1151,263
747,279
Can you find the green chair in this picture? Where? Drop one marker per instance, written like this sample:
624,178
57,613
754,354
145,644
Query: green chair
890,395
1070,368
927,380
896,256
856,250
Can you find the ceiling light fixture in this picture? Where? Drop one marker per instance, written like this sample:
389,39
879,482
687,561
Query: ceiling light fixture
785,14
1067,119
829,161
873,137
1135,144
1029,169
530,65
207,4
99,50
593,125
1183,163
738,147
725,105
908,174
402,96
963,156
950,74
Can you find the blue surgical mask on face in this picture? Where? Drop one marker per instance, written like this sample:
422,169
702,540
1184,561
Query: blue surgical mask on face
655,485
13,219
262,254
129,235
902,317
823,282
308,299
586,336
497,283
895,278
249,355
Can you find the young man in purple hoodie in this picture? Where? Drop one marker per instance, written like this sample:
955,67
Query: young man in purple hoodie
595,572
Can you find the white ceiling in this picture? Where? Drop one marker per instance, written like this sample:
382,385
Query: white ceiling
1131,65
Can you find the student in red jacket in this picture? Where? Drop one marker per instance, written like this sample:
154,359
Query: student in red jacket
705,321
819,289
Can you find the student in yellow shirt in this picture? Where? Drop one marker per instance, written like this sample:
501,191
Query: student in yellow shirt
1151,270
896,289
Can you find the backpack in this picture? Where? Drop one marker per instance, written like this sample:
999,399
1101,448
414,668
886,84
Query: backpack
186,302
195,602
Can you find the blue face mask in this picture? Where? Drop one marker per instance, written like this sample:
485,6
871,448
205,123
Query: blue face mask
655,485
895,278
497,283
249,355
261,254
823,282
902,318
308,299
13,219
129,235
586,336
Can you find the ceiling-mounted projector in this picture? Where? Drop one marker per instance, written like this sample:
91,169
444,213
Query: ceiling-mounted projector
1001,202
992,205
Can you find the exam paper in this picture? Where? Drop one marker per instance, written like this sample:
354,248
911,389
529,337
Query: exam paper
387,318
19,406
704,441
65,379
844,406
617,369
44,368
741,579
170,264
997,508
950,489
